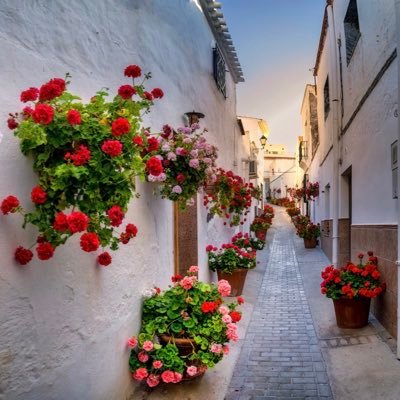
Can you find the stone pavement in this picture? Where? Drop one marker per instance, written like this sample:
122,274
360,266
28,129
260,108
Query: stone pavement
281,357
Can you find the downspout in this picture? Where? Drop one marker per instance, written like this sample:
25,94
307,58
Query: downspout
397,3
335,132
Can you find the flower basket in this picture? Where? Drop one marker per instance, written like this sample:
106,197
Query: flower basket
352,313
236,279
310,243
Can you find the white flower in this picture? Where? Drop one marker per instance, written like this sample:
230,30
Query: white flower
147,293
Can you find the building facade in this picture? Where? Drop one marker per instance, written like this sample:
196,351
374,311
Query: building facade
65,322
354,158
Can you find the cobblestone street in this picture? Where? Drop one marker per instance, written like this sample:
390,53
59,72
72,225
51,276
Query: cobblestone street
281,357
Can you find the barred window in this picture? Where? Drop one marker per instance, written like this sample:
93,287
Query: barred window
327,103
351,29
219,70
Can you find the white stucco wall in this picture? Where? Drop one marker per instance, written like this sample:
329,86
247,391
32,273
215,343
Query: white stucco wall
64,322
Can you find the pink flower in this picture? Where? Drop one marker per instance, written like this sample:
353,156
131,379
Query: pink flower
148,345
187,282
153,380
157,364
143,357
140,374
223,310
232,336
168,376
193,269
225,349
177,377
132,342
216,348
227,319
177,189
194,163
224,288
192,370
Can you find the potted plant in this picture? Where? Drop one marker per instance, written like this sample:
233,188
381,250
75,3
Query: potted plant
312,190
230,197
300,221
86,158
181,161
245,240
186,329
309,233
293,211
351,289
231,263
260,226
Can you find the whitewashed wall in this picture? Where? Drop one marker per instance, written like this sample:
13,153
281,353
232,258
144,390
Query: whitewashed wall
64,322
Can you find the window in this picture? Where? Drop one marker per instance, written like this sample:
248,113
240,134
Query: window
303,153
253,169
219,70
351,29
394,169
327,104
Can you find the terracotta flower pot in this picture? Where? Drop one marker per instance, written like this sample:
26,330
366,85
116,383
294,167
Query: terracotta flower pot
236,280
310,243
352,313
185,347
261,234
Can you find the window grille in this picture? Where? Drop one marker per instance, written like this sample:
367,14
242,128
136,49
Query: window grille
351,29
219,70
327,104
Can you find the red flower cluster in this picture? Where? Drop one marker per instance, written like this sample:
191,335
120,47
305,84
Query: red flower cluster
23,256
80,157
12,123
209,306
153,144
138,140
133,71
148,96
89,241
157,93
9,205
130,232
30,94
116,215
126,91
77,221
38,195
104,259
43,114
236,316
74,117
112,147
52,89
120,126
45,250
176,278
154,166
60,222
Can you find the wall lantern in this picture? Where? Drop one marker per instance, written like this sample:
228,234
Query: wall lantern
263,141
194,117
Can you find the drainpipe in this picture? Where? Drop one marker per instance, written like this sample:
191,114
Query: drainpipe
397,3
334,79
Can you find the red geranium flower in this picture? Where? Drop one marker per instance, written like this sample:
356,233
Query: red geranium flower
23,256
180,178
167,130
126,91
38,195
43,114
77,221
112,147
74,117
131,230
45,250
116,215
27,111
208,307
176,278
9,205
153,144
52,89
12,123
60,222
157,93
104,259
133,71
124,238
90,241
240,300
138,140
80,157
120,126
154,166
30,94
147,96
236,316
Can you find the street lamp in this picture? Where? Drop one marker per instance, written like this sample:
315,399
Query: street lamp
263,141
194,116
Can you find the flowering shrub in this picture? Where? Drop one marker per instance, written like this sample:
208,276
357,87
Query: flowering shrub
296,193
312,190
293,211
300,220
245,240
86,157
188,310
309,231
230,257
230,197
259,224
182,161
353,281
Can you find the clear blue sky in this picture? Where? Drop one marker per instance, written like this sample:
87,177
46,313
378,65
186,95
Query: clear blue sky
276,42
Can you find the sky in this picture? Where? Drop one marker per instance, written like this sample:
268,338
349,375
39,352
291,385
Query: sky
276,42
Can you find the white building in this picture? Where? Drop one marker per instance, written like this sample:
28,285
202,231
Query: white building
354,158
65,322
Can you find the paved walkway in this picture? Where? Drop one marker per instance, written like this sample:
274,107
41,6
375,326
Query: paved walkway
281,357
